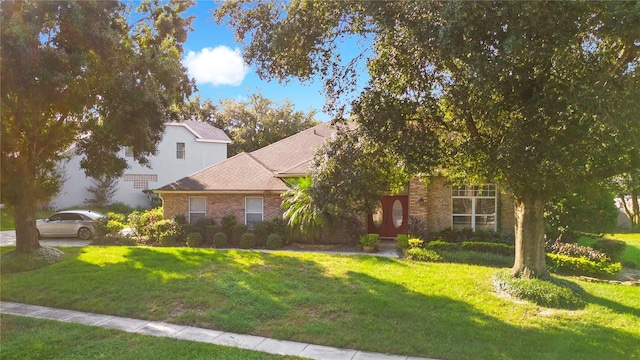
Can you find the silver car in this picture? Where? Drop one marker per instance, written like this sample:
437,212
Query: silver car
70,223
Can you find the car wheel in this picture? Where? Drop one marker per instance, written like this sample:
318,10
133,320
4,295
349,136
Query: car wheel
84,233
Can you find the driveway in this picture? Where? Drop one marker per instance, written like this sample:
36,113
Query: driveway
8,238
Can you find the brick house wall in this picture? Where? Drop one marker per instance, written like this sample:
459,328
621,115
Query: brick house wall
431,202
221,205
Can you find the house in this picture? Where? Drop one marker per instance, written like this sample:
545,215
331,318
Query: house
249,186
185,148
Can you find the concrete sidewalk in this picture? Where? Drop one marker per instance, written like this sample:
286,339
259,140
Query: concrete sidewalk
158,328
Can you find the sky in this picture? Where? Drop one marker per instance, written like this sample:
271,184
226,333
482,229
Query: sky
214,59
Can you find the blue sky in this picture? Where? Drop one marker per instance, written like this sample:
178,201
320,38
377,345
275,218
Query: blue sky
214,59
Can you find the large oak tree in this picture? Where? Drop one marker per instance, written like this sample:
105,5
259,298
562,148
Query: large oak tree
536,96
92,73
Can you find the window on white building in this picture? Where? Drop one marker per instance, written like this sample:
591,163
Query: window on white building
253,210
197,209
474,207
180,150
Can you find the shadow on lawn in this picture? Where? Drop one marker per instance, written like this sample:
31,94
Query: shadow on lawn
308,298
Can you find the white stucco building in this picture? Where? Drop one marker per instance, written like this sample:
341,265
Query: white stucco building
186,147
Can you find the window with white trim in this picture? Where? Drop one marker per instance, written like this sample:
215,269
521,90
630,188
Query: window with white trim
474,207
197,208
253,211
180,150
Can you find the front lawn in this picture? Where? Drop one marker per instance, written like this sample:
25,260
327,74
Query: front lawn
632,251
28,338
439,310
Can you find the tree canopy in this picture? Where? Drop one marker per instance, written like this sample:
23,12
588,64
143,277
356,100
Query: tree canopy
539,97
86,72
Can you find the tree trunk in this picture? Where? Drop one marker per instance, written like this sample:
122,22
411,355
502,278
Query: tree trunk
529,229
635,216
24,213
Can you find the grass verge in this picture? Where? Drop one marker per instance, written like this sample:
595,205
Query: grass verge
27,338
361,302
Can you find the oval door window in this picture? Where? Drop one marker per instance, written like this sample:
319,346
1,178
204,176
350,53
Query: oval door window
398,213
377,215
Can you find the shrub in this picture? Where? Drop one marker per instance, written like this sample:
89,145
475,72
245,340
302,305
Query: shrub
248,240
227,223
612,248
420,254
111,224
194,239
167,239
120,208
142,222
237,231
581,266
439,245
274,241
577,251
219,240
417,228
369,239
202,225
489,247
415,243
476,258
403,241
555,293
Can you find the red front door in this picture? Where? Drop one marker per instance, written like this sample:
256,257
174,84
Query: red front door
391,217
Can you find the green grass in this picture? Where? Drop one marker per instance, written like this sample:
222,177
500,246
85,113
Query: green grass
439,310
632,251
27,338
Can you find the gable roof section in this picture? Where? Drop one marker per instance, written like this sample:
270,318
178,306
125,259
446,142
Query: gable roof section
203,131
260,170
240,173
296,149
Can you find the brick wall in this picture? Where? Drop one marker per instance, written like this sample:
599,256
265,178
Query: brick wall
432,204
220,205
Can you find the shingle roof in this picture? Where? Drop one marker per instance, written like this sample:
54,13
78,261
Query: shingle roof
260,169
238,173
203,131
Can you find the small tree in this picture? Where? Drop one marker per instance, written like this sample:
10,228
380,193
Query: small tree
627,189
103,190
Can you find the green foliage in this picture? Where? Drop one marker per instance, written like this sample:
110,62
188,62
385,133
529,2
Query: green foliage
575,250
587,209
420,254
274,242
369,239
439,245
95,68
460,236
495,248
247,240
581,266
526,94
227,223
555,293
258,122
612,248
168,239
402,241
194,239
237,231
476,258
13,262
111,224
301,209
142,222
220,240
415,243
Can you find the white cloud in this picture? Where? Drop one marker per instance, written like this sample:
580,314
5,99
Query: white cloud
216,66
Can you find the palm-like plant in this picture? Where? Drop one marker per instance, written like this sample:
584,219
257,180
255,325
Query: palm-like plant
301,210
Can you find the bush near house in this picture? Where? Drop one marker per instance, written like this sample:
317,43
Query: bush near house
274,242
220,240
194,239
247,240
